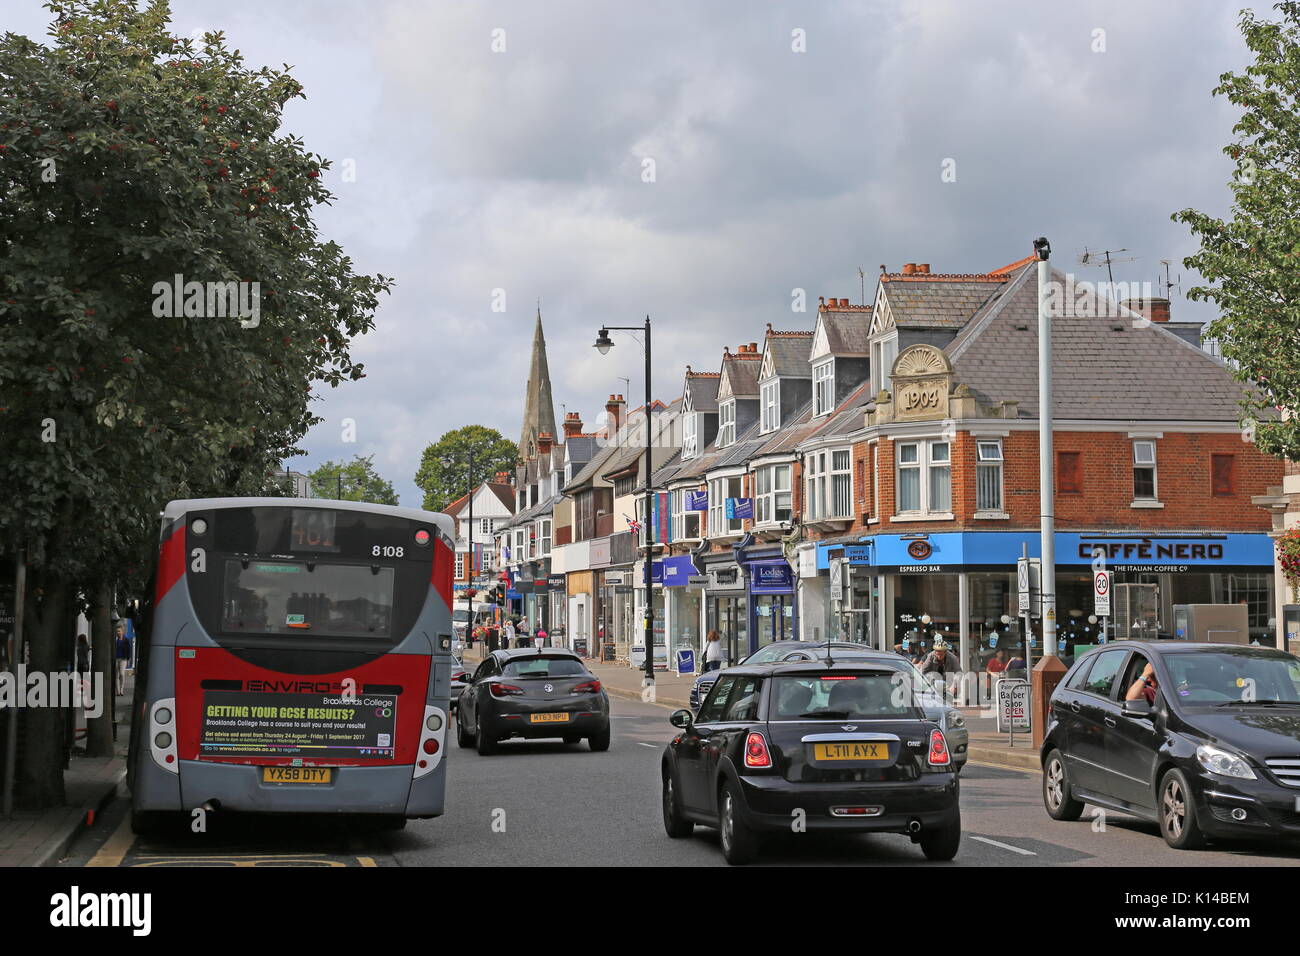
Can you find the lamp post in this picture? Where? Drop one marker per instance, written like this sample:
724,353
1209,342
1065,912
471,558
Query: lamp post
602,345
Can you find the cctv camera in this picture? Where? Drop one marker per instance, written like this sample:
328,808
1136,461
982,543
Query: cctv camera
1043,248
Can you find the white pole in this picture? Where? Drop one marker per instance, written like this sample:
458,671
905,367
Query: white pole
1046,471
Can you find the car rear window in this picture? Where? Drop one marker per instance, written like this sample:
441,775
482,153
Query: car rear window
878,694
543,667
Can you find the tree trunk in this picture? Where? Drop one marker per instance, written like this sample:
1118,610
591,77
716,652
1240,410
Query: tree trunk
42,730
103,671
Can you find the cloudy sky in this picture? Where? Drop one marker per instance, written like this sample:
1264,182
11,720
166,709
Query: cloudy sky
524,169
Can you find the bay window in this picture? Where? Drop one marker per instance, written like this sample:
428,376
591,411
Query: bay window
686,524
544,537
772,498
720,489
829,484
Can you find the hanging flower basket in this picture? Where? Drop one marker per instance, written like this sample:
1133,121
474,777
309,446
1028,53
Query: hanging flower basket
1288,557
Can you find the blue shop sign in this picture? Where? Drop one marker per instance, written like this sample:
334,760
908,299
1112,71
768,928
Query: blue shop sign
739,508
952,551
697,501
771,577
676,571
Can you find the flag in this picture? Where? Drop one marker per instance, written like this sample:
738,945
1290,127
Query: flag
632,524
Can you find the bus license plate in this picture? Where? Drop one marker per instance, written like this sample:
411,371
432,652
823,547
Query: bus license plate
851,751
297,775
548,718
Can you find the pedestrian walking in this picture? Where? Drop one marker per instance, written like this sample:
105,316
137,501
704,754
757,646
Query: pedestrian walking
508,633
123,658
712,651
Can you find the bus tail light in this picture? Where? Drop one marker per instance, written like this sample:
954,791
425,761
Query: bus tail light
429,754
506,690
162,738
756,752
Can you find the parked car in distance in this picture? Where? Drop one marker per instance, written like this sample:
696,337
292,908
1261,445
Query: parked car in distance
533,693
836,743
1201,739
458,680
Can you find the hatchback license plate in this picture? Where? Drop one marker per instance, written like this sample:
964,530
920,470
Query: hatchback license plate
851,751
548,718
297,775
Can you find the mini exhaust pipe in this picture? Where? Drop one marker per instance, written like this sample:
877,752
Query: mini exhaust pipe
914,826
211,806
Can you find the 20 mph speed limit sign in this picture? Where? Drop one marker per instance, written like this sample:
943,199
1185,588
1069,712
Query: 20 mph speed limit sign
1101,581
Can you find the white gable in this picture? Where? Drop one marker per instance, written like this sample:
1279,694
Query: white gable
821,346
882,318
768,368
724,386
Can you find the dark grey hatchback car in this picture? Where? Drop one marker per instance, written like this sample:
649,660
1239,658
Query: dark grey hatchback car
1208,746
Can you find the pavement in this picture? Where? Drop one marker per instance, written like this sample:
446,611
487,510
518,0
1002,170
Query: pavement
43,837
987,746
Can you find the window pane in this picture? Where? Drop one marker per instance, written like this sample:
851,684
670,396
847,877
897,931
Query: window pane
841,461
940,492
988,487
990,451
1144,453
939,451
909,489
783,506
907,454
842,493
782,478
1144,482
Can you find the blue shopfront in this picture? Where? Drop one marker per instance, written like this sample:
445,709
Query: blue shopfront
770,590
912,589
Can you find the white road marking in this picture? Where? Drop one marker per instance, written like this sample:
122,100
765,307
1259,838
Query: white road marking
1004,846
644,744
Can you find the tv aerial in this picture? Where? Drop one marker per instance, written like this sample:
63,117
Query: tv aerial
1168,283
1104,258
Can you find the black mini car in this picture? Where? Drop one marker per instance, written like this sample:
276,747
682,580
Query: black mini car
1202,739
532,693
811,745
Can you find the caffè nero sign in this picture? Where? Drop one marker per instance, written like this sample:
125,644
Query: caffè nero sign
922,377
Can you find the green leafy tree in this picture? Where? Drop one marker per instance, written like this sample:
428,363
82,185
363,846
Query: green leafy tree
354,480
1253,258
128,157
460,460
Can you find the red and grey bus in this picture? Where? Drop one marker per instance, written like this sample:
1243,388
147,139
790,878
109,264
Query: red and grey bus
296,658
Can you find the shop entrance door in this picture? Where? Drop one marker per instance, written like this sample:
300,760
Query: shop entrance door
773,618
727,616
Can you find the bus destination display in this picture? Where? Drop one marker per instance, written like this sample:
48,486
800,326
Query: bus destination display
316,726
313,529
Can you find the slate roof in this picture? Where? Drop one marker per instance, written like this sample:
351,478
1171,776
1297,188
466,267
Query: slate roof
704,389
937,301
741,369
789,353
847,328
1102,367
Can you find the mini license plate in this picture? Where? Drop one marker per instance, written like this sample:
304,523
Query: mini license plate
851,750
548,718
297,775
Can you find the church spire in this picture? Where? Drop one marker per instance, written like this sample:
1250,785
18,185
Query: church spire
539,408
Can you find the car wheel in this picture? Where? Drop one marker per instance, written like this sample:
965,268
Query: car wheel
485,742
1056,790
463,738
599,742
674,825
739,842
1178,813
941,844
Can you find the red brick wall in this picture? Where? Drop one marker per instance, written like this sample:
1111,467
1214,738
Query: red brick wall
1183,485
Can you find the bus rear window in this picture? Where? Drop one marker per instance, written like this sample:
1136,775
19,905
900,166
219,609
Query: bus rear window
310,599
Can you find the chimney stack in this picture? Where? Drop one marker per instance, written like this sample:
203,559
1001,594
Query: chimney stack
844,303
909,268
1155,309
614,408
572,425
923,268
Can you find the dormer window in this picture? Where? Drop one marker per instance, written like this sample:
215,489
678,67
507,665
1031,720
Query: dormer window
883,353
771,402
726,423
824,387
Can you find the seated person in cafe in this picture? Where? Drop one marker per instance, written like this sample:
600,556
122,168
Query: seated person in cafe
1145,687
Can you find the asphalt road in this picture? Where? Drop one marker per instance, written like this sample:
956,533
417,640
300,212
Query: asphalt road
547,804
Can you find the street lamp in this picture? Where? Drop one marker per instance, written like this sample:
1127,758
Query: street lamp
602,345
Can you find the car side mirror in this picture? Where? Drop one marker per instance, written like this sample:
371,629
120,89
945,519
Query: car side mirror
1136,708
682,719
